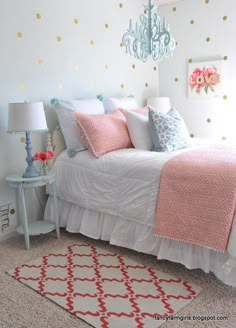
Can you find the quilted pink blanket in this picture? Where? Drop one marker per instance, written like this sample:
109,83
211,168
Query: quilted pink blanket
197,197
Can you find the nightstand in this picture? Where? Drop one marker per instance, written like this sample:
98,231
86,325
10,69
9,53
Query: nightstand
38,227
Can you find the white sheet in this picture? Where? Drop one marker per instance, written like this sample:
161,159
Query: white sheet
123,182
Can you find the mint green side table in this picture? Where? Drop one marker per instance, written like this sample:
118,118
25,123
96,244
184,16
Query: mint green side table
38,227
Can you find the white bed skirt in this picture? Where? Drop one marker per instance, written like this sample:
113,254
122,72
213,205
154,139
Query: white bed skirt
136,236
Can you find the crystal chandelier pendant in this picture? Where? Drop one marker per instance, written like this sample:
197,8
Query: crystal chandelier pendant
150,38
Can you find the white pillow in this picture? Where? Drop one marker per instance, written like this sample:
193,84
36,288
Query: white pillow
65,110
139,130
111,104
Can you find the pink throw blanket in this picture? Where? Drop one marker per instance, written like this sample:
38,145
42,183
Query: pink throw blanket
197,197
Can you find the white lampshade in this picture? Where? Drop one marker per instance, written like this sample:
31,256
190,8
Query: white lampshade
160,103
24,117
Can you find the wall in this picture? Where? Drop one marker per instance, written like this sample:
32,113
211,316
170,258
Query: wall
204,30
65,49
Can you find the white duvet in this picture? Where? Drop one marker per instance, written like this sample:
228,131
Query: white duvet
122,183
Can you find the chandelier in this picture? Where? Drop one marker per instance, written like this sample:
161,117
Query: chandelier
151,37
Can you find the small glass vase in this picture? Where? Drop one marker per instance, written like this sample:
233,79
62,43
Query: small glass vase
44,168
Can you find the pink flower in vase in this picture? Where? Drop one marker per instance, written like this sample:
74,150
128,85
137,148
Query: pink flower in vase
43,157
50,154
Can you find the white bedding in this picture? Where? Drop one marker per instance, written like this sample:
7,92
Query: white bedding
119,191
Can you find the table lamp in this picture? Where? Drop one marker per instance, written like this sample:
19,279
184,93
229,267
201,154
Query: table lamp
160,103
27,118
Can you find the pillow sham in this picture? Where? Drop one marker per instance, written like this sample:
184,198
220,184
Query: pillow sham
65,110
168,131
111,104
104,133
143,111
138,128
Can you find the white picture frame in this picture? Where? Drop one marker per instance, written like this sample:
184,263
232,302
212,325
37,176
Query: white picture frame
205,79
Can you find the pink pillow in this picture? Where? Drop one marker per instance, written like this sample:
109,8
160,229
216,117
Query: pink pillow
142,111
104,133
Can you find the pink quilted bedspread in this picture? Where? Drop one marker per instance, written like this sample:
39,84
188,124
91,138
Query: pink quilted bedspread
197,197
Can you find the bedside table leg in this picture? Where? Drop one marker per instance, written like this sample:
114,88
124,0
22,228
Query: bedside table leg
55,209
24,216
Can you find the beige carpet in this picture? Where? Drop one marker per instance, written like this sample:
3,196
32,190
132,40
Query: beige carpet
21,307
106,289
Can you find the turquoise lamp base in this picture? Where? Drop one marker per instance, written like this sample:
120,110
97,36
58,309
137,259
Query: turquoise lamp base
30,171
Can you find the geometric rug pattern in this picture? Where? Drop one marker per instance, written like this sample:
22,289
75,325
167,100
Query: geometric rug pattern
104,289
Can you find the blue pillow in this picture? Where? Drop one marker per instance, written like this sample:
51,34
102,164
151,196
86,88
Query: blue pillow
168,131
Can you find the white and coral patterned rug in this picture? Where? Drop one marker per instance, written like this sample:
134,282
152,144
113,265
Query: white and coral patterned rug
105,289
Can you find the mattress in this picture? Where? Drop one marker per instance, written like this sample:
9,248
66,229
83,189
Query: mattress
123,183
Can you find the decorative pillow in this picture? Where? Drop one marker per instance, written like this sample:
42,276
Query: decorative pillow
104,133
111,104
143,111
65,110
139,130
168,131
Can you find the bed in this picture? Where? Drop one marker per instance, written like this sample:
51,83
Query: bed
113,198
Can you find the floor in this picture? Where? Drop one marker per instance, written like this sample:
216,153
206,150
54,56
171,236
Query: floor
21,307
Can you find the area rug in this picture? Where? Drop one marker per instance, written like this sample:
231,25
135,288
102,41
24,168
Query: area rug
104,289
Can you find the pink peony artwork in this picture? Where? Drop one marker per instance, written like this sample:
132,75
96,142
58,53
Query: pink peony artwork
204,79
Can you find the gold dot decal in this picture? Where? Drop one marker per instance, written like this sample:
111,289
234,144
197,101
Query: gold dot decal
174,9
133,66
22,139
225,57
121,45
106,26
146,85
190,60
206,1
106,66
59,38
208,120
208,39
225,97
21,87
225,18
40,61
38,15
122,86
192,21
176,79
120,5
76,21
19,35
91,42
12,211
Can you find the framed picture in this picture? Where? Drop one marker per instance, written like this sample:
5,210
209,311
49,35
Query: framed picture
205,79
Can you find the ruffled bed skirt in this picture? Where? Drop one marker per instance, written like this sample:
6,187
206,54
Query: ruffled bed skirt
136,236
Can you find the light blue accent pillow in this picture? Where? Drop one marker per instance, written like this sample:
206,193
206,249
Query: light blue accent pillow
168,131
65,110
